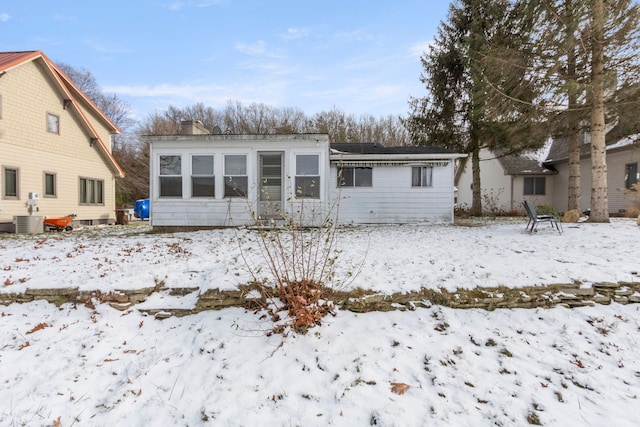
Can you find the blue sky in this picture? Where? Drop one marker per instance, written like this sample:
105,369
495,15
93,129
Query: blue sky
359,56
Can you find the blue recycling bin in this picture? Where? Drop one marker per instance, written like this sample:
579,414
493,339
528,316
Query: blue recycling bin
141,210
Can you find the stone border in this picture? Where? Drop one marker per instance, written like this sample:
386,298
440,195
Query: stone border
359,301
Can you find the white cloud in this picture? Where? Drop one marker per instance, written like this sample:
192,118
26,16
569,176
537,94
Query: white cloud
179,5
358,35
296,33
256,48
104,49
419,48
4,17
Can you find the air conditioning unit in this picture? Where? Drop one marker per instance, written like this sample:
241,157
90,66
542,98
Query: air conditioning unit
28,224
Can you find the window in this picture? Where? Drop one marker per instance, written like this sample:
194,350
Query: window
308,176
534,186
631,175
355,177
11,183
422,176
53,123
171,176
91,191
236,182
202,178
49,184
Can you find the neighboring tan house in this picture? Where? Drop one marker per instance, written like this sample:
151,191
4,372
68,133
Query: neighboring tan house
623,156
507,180
55,145
210,180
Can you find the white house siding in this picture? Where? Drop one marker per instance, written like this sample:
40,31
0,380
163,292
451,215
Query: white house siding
495,184
501,192
392,200
220,211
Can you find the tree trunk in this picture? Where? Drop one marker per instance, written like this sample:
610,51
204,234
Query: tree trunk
599,199
573,120
476,201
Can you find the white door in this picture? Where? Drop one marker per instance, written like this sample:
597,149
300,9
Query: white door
270,187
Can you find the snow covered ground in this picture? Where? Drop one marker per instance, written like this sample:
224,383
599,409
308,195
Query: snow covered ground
436,366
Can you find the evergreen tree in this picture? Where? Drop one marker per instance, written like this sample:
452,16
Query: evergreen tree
462,110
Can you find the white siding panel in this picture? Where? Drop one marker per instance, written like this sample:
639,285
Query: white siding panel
392,199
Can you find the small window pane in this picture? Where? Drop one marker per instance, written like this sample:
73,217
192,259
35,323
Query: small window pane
170,186
99,192
11,183
53,123
415,177
235,164
235,186
631,175
540,186
49,184
202,165
345,177
307,164
170,165
307,187
363,177
422,176
528,186
202,186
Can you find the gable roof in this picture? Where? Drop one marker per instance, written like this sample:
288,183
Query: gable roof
522,165
615,139
10,60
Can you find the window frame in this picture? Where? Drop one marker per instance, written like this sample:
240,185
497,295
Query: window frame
54,184
535,184
304,180
6,196
50,128
629,182
422,179
207,179
92,193
232,191
350,179
170,183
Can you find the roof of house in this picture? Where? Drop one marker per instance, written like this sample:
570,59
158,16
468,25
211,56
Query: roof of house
10,60
616,138
522,165
374,148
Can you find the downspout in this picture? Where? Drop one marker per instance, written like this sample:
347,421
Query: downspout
513,178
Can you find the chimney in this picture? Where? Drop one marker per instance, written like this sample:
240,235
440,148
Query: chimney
193,127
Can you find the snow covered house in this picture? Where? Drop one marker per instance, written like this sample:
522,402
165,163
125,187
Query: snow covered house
201,180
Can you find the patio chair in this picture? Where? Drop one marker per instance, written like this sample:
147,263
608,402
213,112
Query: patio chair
535,219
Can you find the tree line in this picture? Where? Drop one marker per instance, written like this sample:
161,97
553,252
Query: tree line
234,118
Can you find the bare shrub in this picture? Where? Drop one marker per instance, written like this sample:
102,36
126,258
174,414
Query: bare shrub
299,248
